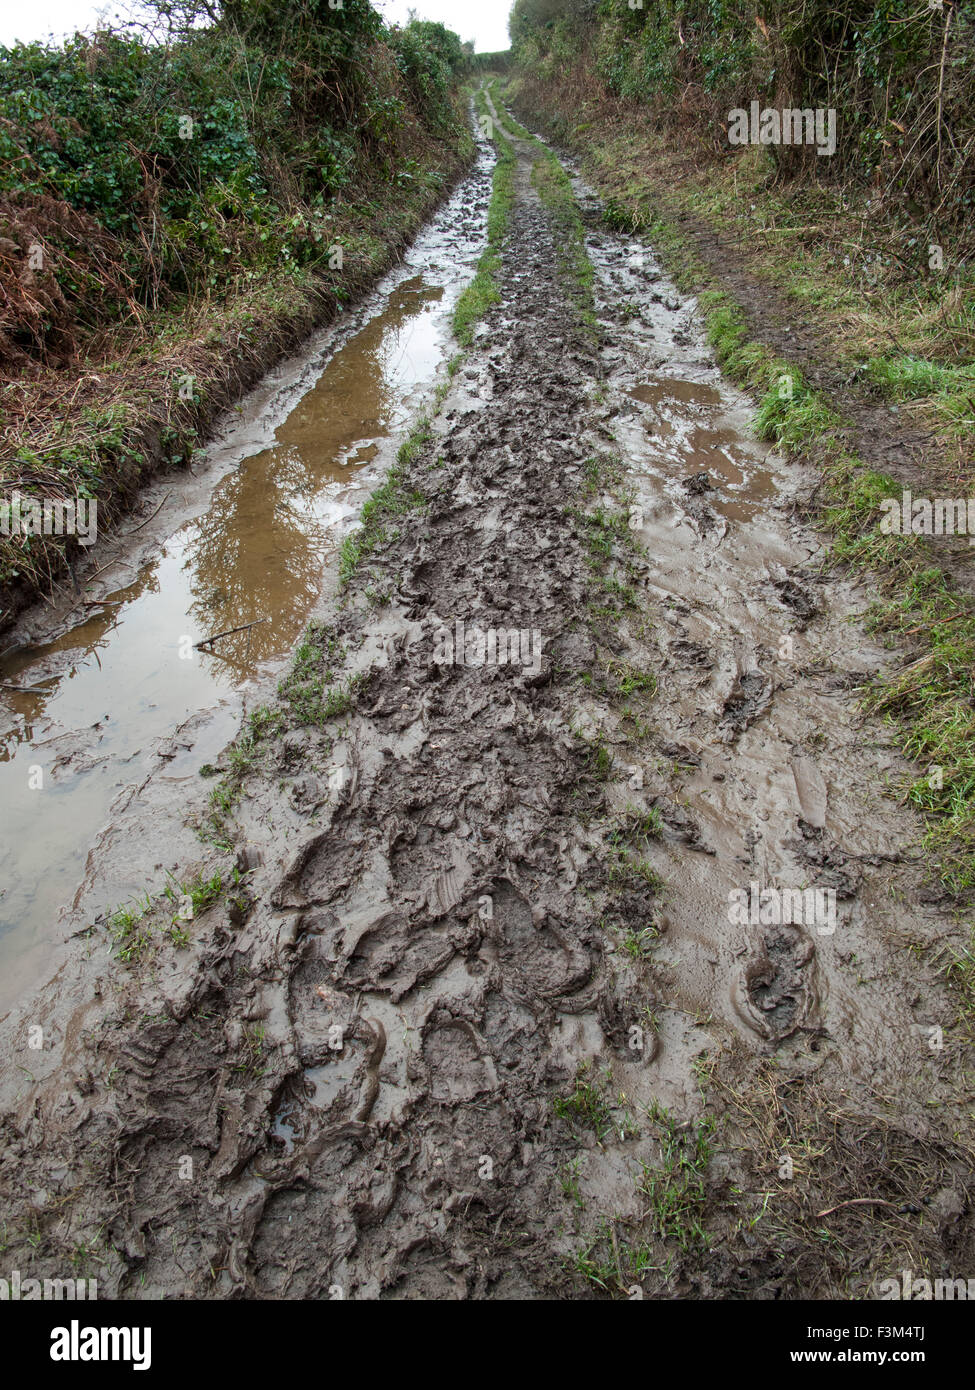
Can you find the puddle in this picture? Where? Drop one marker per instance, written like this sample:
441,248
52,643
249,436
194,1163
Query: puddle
242,543
690,428
662,391
321,1087
326,1083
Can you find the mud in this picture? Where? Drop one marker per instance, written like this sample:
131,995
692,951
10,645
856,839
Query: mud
478,1022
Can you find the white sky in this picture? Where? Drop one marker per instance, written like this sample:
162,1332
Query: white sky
484,21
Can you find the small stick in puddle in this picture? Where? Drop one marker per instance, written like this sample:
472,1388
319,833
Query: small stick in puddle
229,633
26,689
155,513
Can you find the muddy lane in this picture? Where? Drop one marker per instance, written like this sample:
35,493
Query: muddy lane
428,910
94,702
483,1012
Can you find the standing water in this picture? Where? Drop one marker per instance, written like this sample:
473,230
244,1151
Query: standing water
83,715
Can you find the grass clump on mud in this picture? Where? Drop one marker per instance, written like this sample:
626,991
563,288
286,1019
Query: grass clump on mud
393,498
129,930
674,1188
611,552
309,695
135,927
589,1107
586,1105
311,691
261,726
675,1185
484,290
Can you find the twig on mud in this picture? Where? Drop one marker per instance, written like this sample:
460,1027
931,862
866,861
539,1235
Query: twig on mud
155,513
857,1202
102,570
229,633
925,627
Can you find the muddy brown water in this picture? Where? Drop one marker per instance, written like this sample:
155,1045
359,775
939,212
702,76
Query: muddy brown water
247,541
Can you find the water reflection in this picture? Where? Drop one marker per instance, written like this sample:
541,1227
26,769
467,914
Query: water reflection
104,692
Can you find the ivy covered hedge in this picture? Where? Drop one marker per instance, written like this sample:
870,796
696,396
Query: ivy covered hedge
136,169
899,73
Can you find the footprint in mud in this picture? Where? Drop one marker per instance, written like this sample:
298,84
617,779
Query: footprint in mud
337,1081
425,1275
833,869
750,697
685,653
535,956
777,992
680,826
694,502
797,597
457,1070
321,869
623,1021
392,956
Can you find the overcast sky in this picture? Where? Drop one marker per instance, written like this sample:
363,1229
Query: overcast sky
484,21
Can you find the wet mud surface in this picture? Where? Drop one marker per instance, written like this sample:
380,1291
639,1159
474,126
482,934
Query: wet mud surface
476,1020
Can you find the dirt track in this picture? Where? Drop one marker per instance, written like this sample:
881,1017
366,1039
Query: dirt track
482,1026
